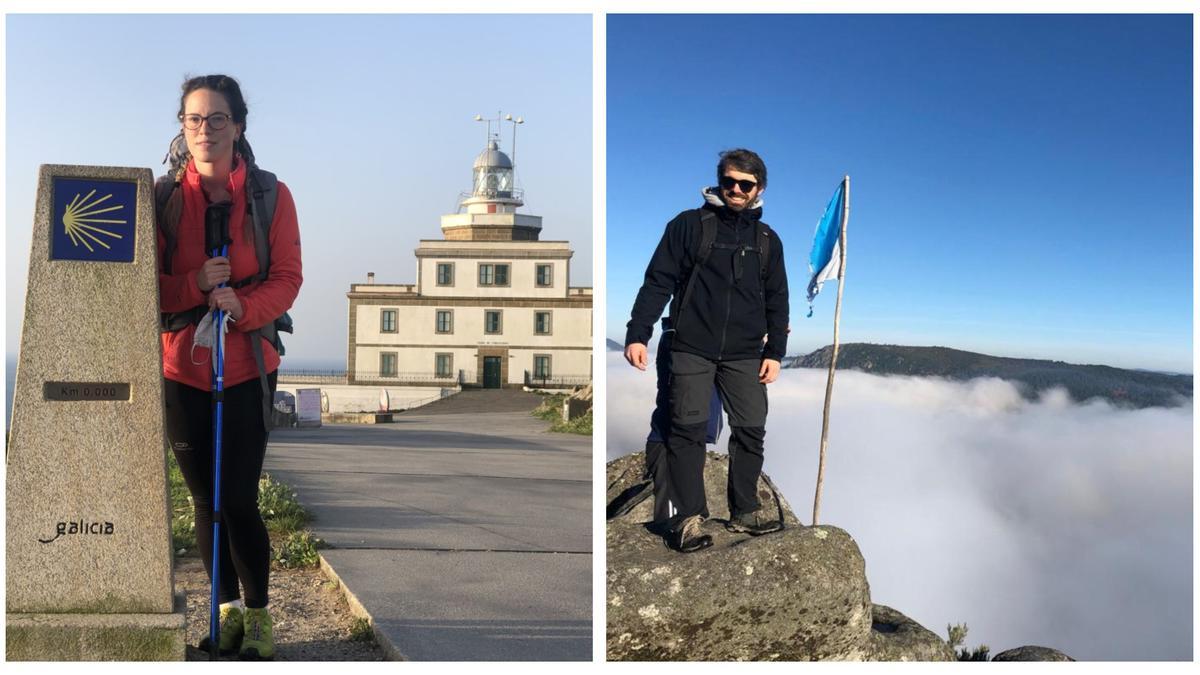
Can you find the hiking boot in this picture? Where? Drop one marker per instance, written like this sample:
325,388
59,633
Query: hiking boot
687,537
753,524
229,639
258,644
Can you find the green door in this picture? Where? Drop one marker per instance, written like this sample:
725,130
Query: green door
491,372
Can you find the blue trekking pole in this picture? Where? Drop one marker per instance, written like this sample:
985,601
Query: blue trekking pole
216,238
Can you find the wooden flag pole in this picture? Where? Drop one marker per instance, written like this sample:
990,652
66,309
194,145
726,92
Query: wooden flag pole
837,318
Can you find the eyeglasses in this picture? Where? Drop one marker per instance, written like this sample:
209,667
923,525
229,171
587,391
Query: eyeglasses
727,183
216,121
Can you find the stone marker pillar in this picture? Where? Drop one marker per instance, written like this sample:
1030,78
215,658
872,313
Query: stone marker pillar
89,563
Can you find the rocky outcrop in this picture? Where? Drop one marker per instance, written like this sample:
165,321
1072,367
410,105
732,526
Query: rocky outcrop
895,637
799,594
1032,653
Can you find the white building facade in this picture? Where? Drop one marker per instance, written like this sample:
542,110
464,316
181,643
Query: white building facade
492,305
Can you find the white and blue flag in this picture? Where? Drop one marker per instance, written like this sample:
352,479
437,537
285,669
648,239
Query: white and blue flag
825,260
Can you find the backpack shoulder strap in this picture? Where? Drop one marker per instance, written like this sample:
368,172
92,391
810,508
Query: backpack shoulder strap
704,246
708,235
163,188
762,236
262,193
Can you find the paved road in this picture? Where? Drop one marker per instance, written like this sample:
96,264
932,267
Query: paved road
466,533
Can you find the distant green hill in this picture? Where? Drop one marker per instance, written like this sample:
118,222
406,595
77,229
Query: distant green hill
1129,388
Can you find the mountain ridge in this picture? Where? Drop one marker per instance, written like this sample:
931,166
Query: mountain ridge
1120,386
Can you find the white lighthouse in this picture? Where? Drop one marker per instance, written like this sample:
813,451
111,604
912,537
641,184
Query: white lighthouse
492,305
489,210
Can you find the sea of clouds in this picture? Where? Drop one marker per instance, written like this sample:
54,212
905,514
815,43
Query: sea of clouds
1053,522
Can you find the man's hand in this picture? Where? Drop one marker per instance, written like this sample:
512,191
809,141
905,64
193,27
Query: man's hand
769,371
635,354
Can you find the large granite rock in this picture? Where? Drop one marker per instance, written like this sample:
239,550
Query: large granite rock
1031,653
799,594
625,483
895,637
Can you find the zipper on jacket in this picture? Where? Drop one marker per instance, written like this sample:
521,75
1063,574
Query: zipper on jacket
729,293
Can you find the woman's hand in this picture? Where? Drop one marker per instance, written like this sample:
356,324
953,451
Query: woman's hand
226,300
213,273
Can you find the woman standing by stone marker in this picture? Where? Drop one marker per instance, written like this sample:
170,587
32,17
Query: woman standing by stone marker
211,163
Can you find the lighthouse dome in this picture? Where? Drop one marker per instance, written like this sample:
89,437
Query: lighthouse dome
493,158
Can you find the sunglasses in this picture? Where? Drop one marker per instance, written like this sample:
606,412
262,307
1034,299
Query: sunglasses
727,183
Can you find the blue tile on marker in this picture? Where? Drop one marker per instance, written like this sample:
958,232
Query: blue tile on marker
93,220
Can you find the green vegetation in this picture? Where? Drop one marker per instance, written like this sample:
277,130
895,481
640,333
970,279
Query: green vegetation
183,515
281,512
550,408
361,631
297,549
580,425
957,635
551,411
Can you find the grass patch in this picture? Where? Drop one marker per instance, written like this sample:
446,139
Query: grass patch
550,408
581,425
298,549
361,631
183,514
281,512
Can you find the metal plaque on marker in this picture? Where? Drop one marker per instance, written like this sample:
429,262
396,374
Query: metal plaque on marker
85,391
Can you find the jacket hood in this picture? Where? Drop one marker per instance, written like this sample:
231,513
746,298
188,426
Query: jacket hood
712,195
713,198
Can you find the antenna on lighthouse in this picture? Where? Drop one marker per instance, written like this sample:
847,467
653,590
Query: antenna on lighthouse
515,122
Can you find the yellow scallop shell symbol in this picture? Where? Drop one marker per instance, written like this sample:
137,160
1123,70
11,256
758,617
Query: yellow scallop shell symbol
80,221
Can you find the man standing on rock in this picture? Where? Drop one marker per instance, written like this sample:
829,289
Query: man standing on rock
722,269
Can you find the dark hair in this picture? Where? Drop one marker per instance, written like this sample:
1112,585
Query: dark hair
746,161
227,87
178,154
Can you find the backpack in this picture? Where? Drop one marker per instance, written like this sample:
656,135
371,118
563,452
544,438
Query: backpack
704,247
263,190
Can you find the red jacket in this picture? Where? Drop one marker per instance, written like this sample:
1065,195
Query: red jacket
262,302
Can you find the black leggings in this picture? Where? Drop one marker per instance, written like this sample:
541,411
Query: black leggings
245,546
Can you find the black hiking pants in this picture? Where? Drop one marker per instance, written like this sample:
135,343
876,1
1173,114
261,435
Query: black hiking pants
745,399
660,428
245,546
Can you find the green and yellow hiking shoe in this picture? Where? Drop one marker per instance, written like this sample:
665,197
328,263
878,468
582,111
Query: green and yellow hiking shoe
258,643
230,637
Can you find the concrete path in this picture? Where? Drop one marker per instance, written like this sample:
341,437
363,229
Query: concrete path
464,532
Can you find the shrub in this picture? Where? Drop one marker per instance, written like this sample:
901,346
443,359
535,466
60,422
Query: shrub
281,511
956,636
298,549
550,408
361,631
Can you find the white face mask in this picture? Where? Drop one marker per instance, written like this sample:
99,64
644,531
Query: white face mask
203,337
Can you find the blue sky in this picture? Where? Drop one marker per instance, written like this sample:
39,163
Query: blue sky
368,119
1020,185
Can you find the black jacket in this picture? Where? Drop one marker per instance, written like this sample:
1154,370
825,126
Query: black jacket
728,312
